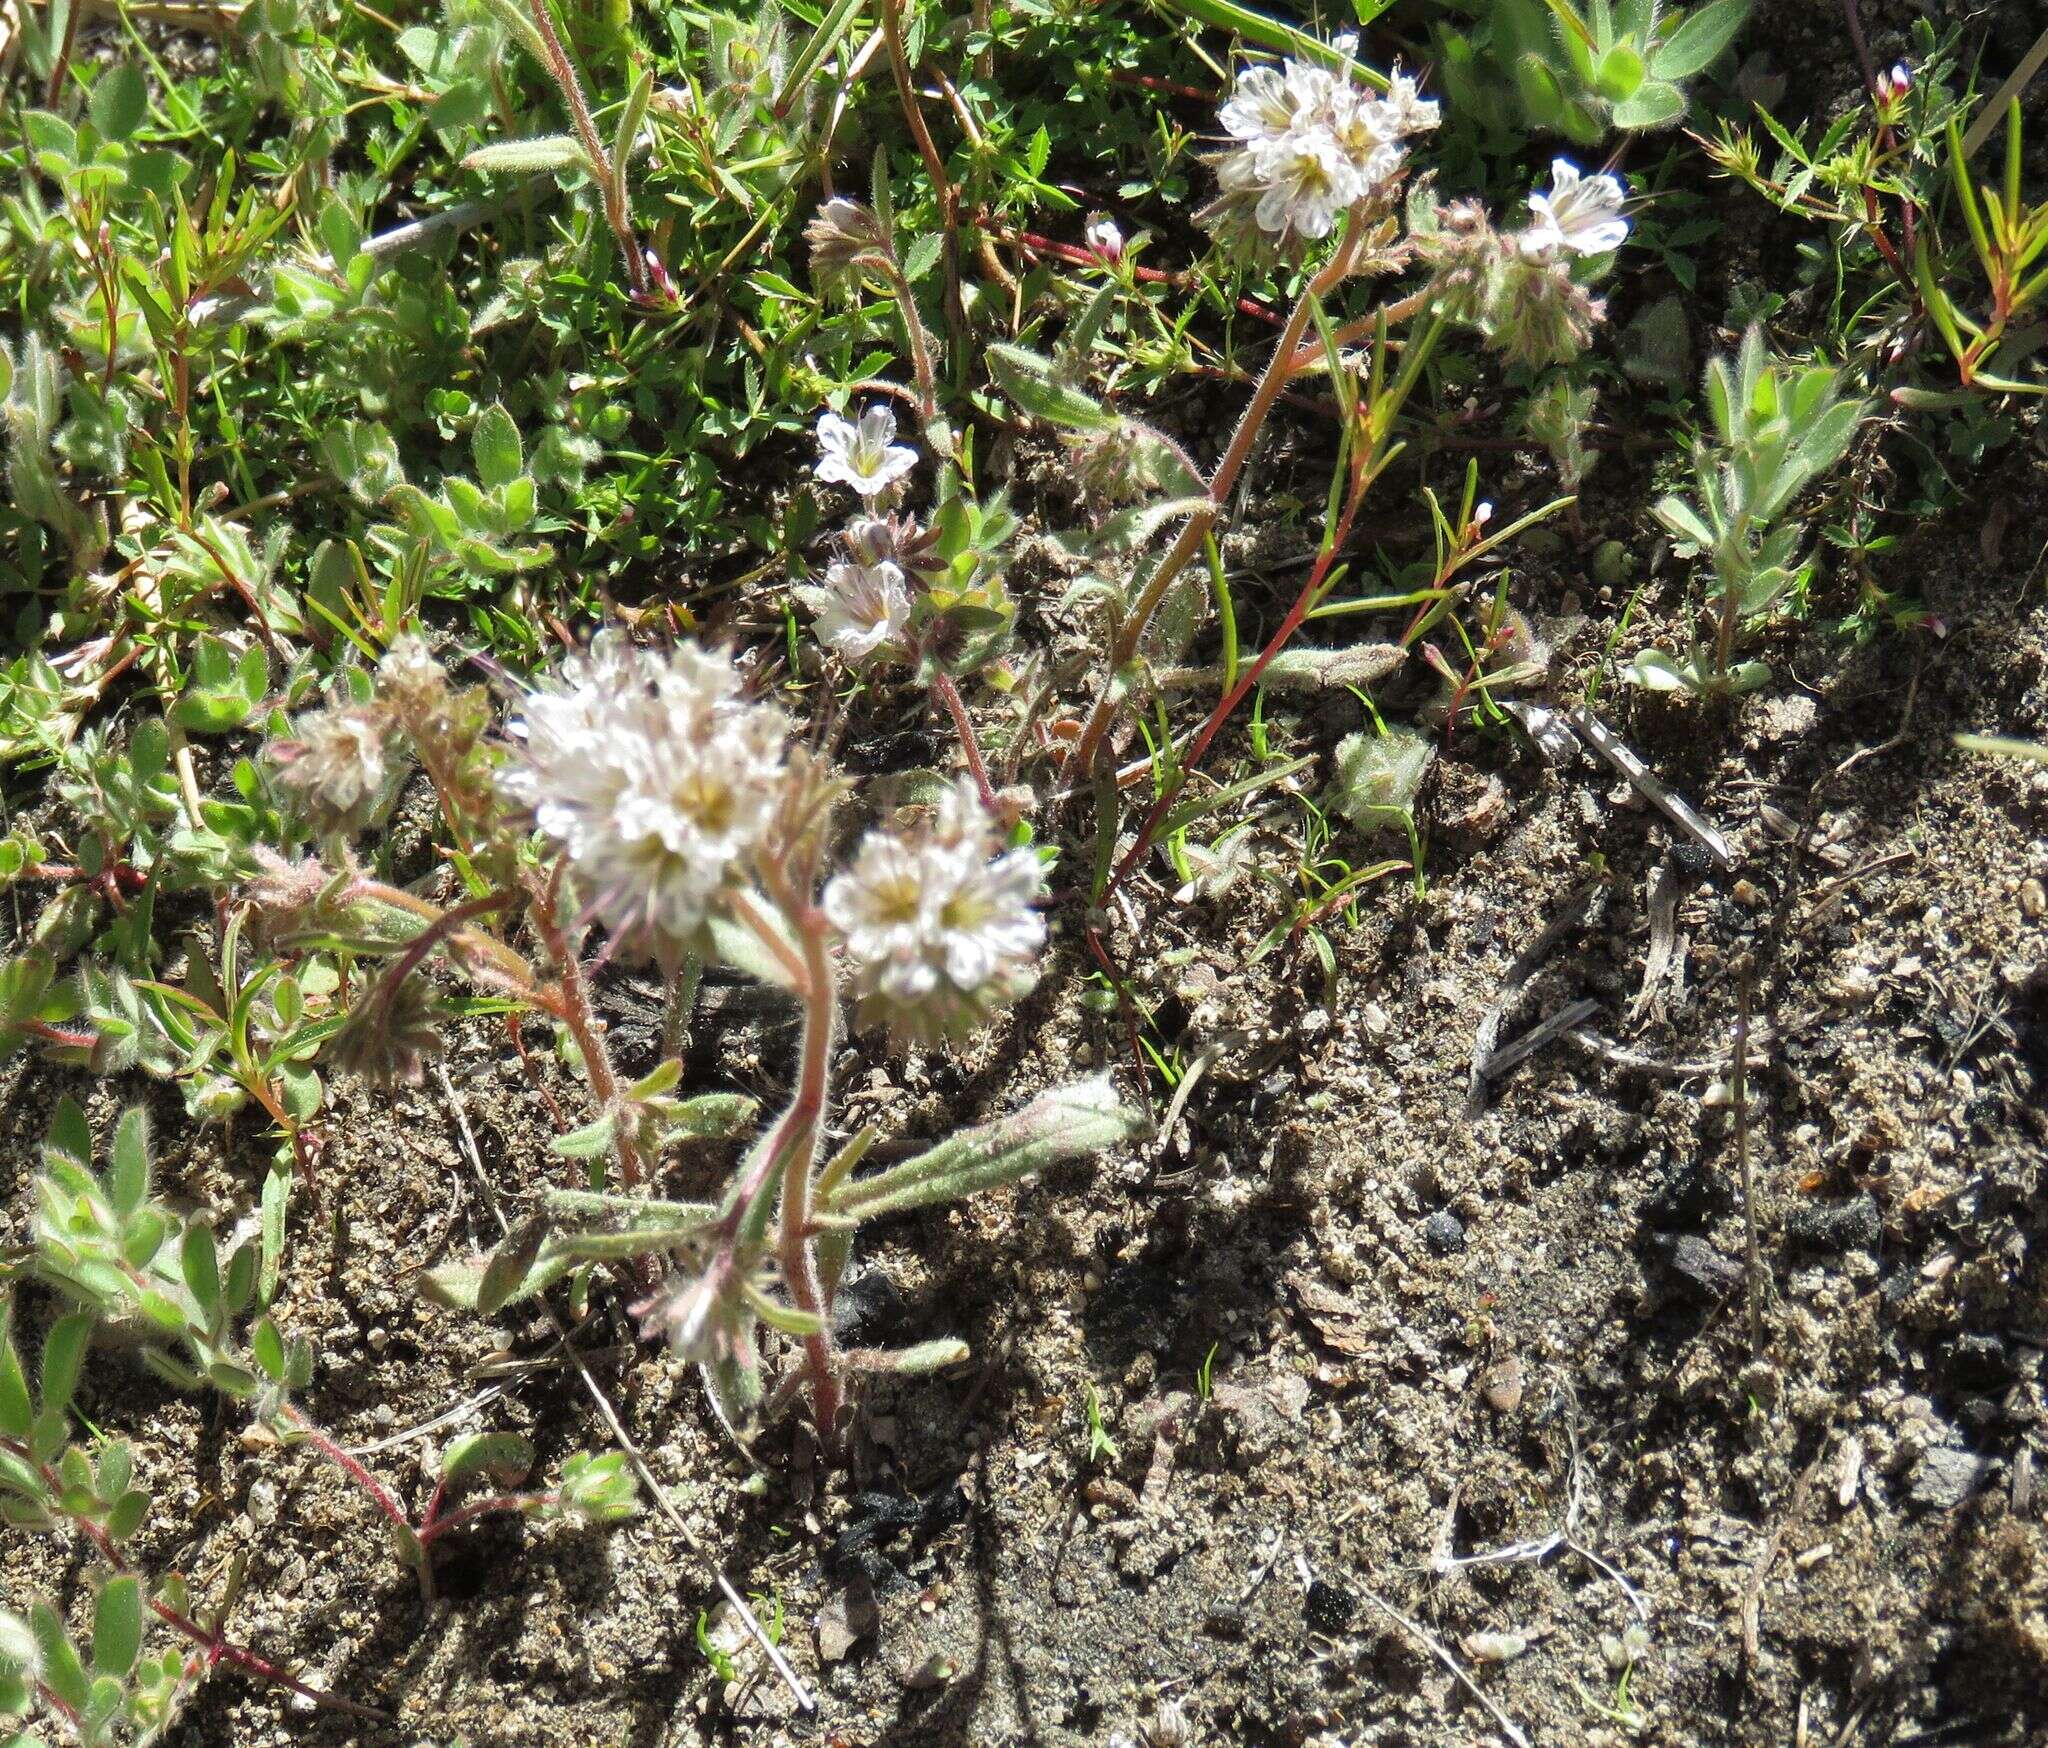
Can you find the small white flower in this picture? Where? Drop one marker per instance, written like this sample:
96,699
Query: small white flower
865,456
938,931
1311,144
1303,180
1404,109
1263,104
655,777
861,609
1578,214
1104,237
1893,85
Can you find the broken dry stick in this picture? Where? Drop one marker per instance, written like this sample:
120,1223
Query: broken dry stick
1604,741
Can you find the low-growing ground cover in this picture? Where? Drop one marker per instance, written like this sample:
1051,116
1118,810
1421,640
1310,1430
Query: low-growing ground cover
1068,874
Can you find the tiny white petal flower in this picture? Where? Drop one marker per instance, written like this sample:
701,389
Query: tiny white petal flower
861,608
656,779
1308,179
1404,110
1263,105
1578,214
1105,238
938,932
864,456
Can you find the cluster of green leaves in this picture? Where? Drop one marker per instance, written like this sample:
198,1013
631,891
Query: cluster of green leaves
1553,66
1777,427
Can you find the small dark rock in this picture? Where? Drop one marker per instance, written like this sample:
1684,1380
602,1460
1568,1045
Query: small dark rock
1329,1607
866,1305
1943,1479
1698,1264
1853,1223
1223,1619
1445,1232
1693,860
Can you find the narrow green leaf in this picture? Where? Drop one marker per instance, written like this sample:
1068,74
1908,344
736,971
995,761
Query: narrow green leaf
1061,1124
17,1413
529,157
496,448
63,1359
504,1456
510,1264
126,1515
200,1265
58,1665
1028,379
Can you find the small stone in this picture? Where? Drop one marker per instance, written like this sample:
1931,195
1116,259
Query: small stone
262,1505
1501,1385
848,1618
1943,1478
1329,1607
1444,1232
1851,1223
1223,1619
2033,900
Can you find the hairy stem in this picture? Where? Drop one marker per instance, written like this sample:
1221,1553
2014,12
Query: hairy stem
1278,369
609,179
799,1154
576,1013
948,694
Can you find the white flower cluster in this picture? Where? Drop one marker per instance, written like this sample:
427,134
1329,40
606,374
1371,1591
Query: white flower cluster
1311,144
655,776
939,928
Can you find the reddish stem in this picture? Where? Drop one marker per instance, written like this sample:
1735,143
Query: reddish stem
948,694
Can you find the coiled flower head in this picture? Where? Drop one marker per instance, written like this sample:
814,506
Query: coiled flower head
939,928
657,780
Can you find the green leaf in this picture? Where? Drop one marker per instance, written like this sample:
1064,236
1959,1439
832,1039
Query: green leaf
1656,104
130,1181
200,1264
266,1346
504,1456
909,1362
70,1135
63,1359
277,1195
58,1665
592,1141
1621,73
1705,33
495,445
120,100
126,1515
1029,380
510,1264
1062,1124
117,1625
529,157
17,1414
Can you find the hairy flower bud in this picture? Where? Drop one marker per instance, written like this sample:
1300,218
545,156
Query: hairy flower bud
392,1032
845,236
334,768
